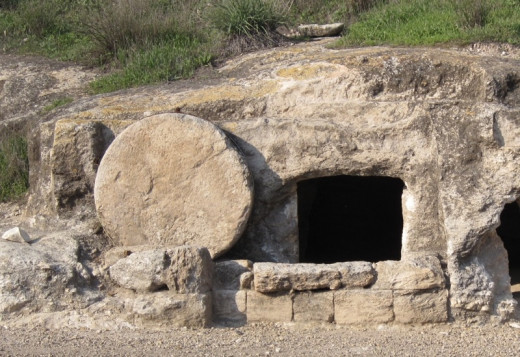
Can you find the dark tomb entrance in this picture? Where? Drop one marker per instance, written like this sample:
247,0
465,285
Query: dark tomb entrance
509,231
350,218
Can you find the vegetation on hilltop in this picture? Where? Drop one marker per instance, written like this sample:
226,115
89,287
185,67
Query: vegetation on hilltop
149,41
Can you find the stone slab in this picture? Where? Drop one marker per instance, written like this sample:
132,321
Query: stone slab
272,277
171,180
179,310
421,307
420,273
363,306
268,307
313,306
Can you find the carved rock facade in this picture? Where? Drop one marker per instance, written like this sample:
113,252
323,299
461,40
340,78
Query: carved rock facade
438,128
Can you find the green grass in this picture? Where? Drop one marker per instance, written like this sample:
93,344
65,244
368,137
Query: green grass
429,22
14,167
56,103
248,17
176,58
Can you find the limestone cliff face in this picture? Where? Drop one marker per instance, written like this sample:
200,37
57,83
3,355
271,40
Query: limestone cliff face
445,122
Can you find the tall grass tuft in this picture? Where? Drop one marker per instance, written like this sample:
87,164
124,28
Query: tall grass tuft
14,167
248,17
121,24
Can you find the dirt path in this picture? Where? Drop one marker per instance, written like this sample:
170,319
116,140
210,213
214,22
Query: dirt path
268,340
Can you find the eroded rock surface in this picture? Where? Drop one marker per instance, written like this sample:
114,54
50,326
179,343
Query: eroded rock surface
43,276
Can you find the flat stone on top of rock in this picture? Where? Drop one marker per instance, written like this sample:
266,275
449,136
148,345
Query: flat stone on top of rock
17,234
172,180
315,30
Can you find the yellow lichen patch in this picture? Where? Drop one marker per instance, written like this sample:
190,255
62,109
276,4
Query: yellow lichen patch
229,126
228,92
305,72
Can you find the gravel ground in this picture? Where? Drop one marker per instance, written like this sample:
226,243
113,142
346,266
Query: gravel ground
267,340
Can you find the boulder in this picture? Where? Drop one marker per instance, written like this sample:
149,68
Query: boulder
272,277
172,180
190,270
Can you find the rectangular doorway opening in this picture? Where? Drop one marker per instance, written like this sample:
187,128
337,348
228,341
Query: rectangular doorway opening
509,232
350,218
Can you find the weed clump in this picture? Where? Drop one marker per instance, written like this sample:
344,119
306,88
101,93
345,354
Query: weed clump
14,166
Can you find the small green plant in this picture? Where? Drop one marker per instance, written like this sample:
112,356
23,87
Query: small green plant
14,167
56,103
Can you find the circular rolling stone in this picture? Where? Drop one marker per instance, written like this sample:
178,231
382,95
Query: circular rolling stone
171,180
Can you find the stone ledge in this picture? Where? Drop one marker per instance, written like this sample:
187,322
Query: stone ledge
274,277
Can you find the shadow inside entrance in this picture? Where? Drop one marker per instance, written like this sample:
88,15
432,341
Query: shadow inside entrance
350,218
509,231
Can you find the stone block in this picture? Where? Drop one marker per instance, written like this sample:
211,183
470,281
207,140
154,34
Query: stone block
269,307
314,306
190,271
229,274
141,271
356,274
272,277
363,306
420,273
181,269
421,307
179,310
229,305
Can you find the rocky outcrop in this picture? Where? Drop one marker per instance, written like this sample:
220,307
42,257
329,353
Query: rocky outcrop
43,276
444,122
